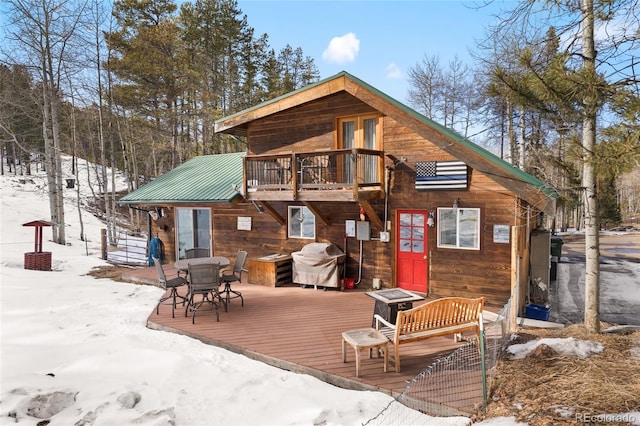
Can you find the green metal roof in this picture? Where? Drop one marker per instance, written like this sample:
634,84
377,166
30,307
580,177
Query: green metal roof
204,179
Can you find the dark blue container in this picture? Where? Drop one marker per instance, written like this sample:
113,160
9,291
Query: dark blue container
538,312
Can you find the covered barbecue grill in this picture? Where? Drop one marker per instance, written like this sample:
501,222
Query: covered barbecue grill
319,265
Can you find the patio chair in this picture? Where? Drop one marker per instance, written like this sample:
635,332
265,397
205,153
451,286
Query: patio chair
169,284
204,281
195,252
235,274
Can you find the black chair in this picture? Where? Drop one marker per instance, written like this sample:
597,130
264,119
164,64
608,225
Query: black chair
195,252
171,284
204,281
234,275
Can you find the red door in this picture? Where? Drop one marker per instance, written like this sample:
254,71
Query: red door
411,251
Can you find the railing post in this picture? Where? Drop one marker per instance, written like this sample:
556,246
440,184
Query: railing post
354,172
294,175
483,368
244,174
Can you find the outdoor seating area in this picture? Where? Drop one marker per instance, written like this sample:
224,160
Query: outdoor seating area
301,331
203,276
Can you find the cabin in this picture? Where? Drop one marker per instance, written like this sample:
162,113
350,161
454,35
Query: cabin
412,204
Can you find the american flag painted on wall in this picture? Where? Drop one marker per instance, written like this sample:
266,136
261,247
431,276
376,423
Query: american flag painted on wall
441,175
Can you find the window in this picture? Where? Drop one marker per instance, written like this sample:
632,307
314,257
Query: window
459,228
361,132
302,223
412,231
193,229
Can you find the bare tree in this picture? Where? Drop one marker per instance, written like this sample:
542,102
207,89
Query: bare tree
445,95
41,34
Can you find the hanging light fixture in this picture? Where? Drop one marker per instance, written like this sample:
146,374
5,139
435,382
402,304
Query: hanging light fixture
431,221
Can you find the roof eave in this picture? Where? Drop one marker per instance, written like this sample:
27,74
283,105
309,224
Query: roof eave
236,124
176,202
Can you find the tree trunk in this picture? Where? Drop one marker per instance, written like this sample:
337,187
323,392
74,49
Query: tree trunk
74,138
59,194
591,212
521,141
510,134
49,155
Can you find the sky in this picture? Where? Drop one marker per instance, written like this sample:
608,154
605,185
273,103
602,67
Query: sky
376,41
76,350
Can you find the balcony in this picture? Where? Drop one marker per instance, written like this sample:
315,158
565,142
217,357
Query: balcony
335,175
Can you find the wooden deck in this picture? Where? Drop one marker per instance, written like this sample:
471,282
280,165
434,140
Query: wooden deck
299,329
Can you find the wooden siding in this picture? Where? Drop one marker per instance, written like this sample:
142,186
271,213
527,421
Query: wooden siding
305,128
485,272
164,228
311,126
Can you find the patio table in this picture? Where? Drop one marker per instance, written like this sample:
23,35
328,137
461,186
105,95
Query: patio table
183,264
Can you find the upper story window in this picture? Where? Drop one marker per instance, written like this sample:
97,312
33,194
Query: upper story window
459,228
361,131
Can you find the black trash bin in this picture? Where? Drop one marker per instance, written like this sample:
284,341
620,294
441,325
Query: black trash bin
556,247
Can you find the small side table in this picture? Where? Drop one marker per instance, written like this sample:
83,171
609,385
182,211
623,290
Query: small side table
365,338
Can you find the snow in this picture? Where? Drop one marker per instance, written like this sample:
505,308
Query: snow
564,346
75,349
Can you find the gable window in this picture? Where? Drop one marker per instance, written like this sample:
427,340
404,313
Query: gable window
302,223
459,228
362,131
193,229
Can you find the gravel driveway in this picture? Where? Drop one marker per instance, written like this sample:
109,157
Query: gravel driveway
619,280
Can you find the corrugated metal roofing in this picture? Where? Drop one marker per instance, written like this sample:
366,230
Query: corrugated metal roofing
205,179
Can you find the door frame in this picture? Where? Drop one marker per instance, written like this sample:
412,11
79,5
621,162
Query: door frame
425,254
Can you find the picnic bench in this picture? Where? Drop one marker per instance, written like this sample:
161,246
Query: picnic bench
440,317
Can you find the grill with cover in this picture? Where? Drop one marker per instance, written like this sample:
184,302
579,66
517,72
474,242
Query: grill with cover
319,265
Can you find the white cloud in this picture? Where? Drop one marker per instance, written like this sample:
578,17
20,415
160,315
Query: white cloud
342,49
393,71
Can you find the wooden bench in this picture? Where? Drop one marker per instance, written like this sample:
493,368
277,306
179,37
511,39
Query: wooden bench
441,317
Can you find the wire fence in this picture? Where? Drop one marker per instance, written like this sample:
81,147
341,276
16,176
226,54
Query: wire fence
455,387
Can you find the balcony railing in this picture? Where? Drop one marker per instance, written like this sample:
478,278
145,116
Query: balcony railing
343,174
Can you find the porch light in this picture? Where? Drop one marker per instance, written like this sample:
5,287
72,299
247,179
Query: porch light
455,203
431,221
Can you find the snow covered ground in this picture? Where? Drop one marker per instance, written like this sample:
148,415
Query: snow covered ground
75,349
